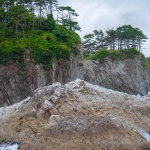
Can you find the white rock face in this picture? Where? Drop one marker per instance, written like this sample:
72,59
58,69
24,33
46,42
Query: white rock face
93,97
75,114
7,112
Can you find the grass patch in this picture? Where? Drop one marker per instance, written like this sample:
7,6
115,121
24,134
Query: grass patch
130,53
101,54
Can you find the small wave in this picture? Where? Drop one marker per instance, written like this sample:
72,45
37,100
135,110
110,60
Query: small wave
145,135
9,146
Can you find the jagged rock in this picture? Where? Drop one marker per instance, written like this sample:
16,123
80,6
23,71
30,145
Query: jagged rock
125,75
81,116
17,83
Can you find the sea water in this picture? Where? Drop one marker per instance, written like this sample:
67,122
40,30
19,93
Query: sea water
145,135
14,146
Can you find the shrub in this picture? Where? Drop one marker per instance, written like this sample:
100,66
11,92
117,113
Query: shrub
42,57
130,53
11,50
101,54
43,46
115,54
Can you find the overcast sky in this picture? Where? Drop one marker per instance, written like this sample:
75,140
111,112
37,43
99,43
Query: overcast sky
107,14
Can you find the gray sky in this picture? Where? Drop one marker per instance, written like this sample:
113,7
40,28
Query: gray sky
105,14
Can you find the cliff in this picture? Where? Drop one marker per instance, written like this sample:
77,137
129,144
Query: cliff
78,115
17,83
125,75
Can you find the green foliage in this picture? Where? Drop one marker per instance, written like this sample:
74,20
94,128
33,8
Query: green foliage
86,53
143,61
124,37
11,50
49,24
148,59
71,38
130,53
43,47
46,46
114,54
101,54
67,18
24,31
42,57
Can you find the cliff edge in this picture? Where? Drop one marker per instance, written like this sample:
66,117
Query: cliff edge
124,75
17,83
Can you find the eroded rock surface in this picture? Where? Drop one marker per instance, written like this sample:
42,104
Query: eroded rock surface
17,83
125,75
78,116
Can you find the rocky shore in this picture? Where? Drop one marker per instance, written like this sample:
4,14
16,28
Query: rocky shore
78,116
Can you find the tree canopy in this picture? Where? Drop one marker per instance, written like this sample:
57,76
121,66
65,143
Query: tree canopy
29,25
123,37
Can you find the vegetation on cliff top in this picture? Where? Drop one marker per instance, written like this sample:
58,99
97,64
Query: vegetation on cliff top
29,26
124,42
124,37
101,54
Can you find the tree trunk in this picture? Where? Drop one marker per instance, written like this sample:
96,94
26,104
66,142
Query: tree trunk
110,43
57,16
23,30
40,15
127,43
51,7
70,22
17,35
113,43
139,44
33,23
25,24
